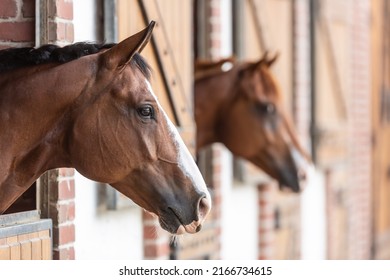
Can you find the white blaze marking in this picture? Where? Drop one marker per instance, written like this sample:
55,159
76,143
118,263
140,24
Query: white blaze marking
302,164
185,159
226,66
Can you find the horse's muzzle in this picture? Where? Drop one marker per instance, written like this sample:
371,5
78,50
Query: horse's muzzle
203,208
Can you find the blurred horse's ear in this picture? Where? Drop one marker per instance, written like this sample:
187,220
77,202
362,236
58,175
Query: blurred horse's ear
267,59
121,54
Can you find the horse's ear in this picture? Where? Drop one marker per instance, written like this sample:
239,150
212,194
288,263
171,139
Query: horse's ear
121,54
267,60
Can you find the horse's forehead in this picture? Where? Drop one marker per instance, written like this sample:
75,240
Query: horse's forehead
150,90
265,84
135,82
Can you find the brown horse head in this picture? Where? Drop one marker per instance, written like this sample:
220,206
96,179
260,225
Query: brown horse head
115,131
241,107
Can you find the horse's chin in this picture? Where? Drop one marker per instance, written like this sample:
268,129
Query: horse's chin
286,189
304,179
288,179
176,228
181,230
192,228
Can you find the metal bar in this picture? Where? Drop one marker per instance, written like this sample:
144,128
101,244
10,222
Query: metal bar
18,218
200,22
238,28
110,21
41,22
42,38
26,228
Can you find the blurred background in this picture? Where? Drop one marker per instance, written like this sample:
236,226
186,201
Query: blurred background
333,71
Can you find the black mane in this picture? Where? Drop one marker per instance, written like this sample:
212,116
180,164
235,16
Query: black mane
14,58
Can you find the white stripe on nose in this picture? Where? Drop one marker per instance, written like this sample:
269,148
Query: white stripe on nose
185,160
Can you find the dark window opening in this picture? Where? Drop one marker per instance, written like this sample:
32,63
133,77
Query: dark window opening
26,202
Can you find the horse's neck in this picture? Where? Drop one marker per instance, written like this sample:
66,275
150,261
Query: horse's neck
33,112
35,107
211,96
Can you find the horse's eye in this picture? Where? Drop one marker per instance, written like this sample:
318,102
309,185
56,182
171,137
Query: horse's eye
270,108
146,112
267,108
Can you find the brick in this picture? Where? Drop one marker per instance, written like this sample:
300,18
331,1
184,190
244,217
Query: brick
150,232
157,251
266,253
217,169
215,12
61,31
217,152
65,213
66,189
52,8
64,254
28,8
66,172
69,32
17,31
266,213
65,9
53,30
8,9
64,234
216,44
71,211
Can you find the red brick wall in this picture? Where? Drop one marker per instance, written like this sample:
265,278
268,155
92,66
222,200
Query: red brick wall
61,25
213,27
156,240
17,29
62,192
301,84
62,212
17,23
213,51
301,62
266,222
359,115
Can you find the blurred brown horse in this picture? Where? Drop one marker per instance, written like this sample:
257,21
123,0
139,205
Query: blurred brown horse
91,107
240,105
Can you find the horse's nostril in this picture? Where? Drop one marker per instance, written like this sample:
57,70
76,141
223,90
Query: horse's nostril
198,228
203,208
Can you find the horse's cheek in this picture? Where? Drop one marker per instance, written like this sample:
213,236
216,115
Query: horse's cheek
86,147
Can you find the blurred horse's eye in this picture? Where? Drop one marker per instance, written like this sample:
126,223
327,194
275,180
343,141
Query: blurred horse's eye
270,108
267,108
146,112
